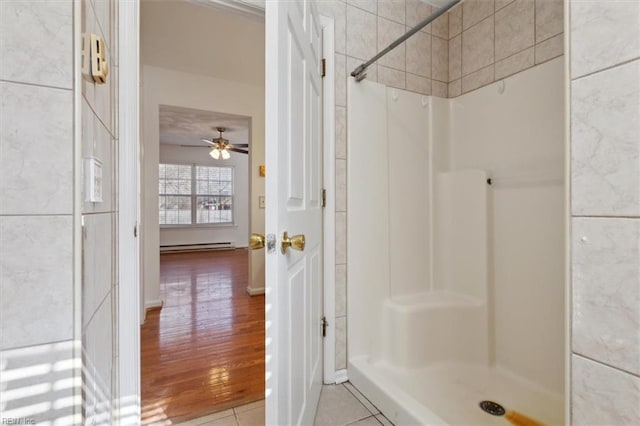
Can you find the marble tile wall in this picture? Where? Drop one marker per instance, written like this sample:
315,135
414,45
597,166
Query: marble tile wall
100,243
37,222
493,39
40,383
363,27
37,342
605,208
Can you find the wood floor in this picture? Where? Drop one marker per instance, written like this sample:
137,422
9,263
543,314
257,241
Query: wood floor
204,350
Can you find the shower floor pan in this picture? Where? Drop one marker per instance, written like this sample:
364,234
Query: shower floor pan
451,394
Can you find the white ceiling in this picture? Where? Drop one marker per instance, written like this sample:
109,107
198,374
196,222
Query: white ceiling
205,40
186,126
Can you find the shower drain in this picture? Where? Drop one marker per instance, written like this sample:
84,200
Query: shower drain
492,408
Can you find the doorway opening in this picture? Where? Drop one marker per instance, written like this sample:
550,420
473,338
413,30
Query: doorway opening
202,97
179,74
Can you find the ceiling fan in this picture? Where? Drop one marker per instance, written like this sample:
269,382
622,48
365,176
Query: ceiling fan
220,146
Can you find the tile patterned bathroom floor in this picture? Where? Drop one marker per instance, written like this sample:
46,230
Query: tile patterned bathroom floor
245,415
340,405
344,405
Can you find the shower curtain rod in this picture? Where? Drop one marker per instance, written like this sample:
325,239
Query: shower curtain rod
359,73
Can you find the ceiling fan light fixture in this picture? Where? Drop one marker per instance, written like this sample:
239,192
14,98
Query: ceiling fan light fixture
220,146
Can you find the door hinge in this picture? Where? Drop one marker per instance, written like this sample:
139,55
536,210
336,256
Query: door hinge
323,70
325,324
324,198
135,231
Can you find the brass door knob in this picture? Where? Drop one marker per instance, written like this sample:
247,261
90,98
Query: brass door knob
296,242
256,241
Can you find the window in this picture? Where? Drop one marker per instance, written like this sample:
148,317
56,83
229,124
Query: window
175,194
214,194
195,195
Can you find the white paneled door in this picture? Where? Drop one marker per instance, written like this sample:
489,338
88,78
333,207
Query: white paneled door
293,205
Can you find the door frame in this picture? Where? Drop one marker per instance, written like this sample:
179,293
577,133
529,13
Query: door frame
329,183
129,296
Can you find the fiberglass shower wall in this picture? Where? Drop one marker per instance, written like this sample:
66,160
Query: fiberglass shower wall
424,222
514,130
398,174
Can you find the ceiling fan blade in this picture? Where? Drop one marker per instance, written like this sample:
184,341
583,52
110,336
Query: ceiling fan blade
241,151
208,141
240,145
195,146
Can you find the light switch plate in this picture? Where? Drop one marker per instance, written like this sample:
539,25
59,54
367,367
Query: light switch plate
93,179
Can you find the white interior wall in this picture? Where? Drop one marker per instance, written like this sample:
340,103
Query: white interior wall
518,138
167,87
238,233
200,37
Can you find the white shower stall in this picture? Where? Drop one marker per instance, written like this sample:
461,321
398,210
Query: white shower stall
456,250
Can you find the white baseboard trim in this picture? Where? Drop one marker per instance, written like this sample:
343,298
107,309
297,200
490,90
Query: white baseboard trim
154,304
178,248
251,291
340,376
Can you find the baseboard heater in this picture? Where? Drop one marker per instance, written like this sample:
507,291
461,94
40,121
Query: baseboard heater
175,248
